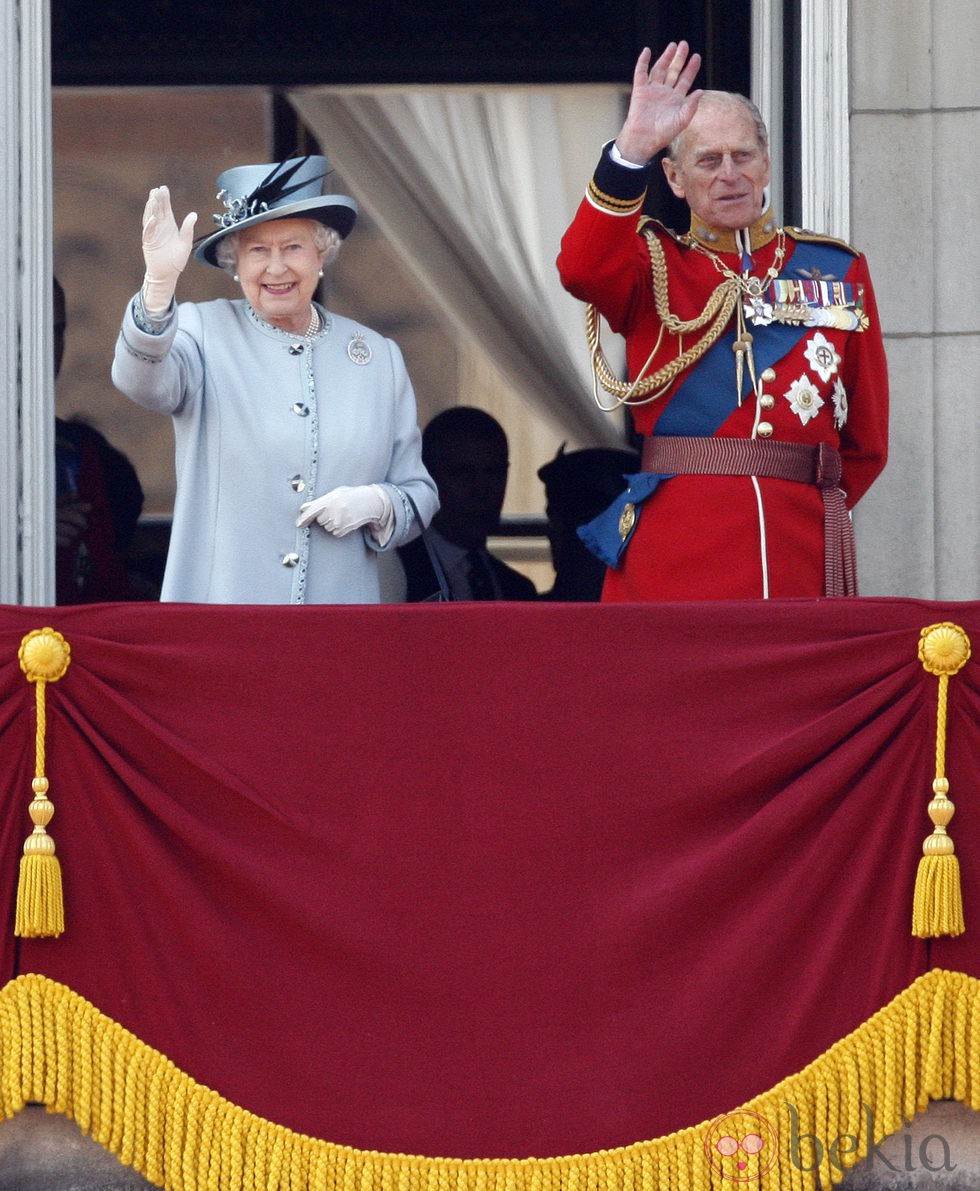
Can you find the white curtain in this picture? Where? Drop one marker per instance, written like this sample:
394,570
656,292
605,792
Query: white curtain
474,188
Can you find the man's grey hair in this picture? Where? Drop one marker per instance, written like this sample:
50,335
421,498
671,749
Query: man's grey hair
327,241
725,99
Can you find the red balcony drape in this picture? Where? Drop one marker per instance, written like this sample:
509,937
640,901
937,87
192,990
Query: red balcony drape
490,880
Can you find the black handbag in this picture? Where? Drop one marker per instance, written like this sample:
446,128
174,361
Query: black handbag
443,595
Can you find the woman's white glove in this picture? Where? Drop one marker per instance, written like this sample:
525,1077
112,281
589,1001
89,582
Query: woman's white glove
165,250
344,509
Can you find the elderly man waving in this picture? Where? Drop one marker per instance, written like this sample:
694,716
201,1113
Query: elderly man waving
757,373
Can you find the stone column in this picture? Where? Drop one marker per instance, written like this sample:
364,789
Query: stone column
824,133
26,365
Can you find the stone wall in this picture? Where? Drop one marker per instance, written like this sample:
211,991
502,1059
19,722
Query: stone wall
915,125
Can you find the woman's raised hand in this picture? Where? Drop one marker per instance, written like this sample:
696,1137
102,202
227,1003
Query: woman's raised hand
166,249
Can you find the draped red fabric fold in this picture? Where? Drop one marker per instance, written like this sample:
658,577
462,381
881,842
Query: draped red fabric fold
490,880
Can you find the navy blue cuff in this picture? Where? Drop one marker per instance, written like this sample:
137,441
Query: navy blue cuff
618,188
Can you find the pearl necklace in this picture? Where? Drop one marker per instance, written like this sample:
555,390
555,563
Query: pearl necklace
314,326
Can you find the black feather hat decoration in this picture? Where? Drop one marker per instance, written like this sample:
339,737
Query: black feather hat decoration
288,189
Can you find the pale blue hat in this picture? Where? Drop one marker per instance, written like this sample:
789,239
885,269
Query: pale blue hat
290,189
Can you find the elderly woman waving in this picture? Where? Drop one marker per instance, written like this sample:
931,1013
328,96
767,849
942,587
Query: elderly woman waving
298,453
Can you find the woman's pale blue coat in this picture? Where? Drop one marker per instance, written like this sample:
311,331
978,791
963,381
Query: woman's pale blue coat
264,421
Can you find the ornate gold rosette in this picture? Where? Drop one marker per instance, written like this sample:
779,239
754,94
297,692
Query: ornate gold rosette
944,648
44,655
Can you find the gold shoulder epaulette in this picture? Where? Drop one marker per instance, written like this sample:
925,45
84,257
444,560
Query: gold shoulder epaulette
650,226
801,233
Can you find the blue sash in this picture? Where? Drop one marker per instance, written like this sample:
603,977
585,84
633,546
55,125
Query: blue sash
604,535
703,399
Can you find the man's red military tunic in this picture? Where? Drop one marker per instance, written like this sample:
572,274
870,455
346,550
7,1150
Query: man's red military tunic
732,536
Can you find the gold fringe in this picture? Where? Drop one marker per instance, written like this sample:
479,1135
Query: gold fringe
44,657
937,903
57,1049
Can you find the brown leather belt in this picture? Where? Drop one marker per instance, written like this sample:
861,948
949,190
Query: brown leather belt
820,465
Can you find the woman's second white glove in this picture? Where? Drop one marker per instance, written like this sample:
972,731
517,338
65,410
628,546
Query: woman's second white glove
344,509
165,250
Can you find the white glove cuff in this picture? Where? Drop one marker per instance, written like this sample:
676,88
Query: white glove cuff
158,296
384,526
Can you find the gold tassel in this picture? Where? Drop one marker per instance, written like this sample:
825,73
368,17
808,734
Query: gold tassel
937,904
44,657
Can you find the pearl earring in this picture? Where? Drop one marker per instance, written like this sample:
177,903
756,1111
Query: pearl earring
321,272
235,277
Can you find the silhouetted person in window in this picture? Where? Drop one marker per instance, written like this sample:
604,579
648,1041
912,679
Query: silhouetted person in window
98,501
465,451
578,486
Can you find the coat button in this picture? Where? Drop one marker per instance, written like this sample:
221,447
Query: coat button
301,410
767,401
297,483
768,376
765,429
296,349
289,560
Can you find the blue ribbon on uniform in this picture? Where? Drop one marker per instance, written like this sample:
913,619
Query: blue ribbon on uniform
602,535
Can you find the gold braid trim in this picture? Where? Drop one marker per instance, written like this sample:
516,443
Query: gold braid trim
615,206
57,1049
717,312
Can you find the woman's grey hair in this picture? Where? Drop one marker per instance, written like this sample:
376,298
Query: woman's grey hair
327,241
726,99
